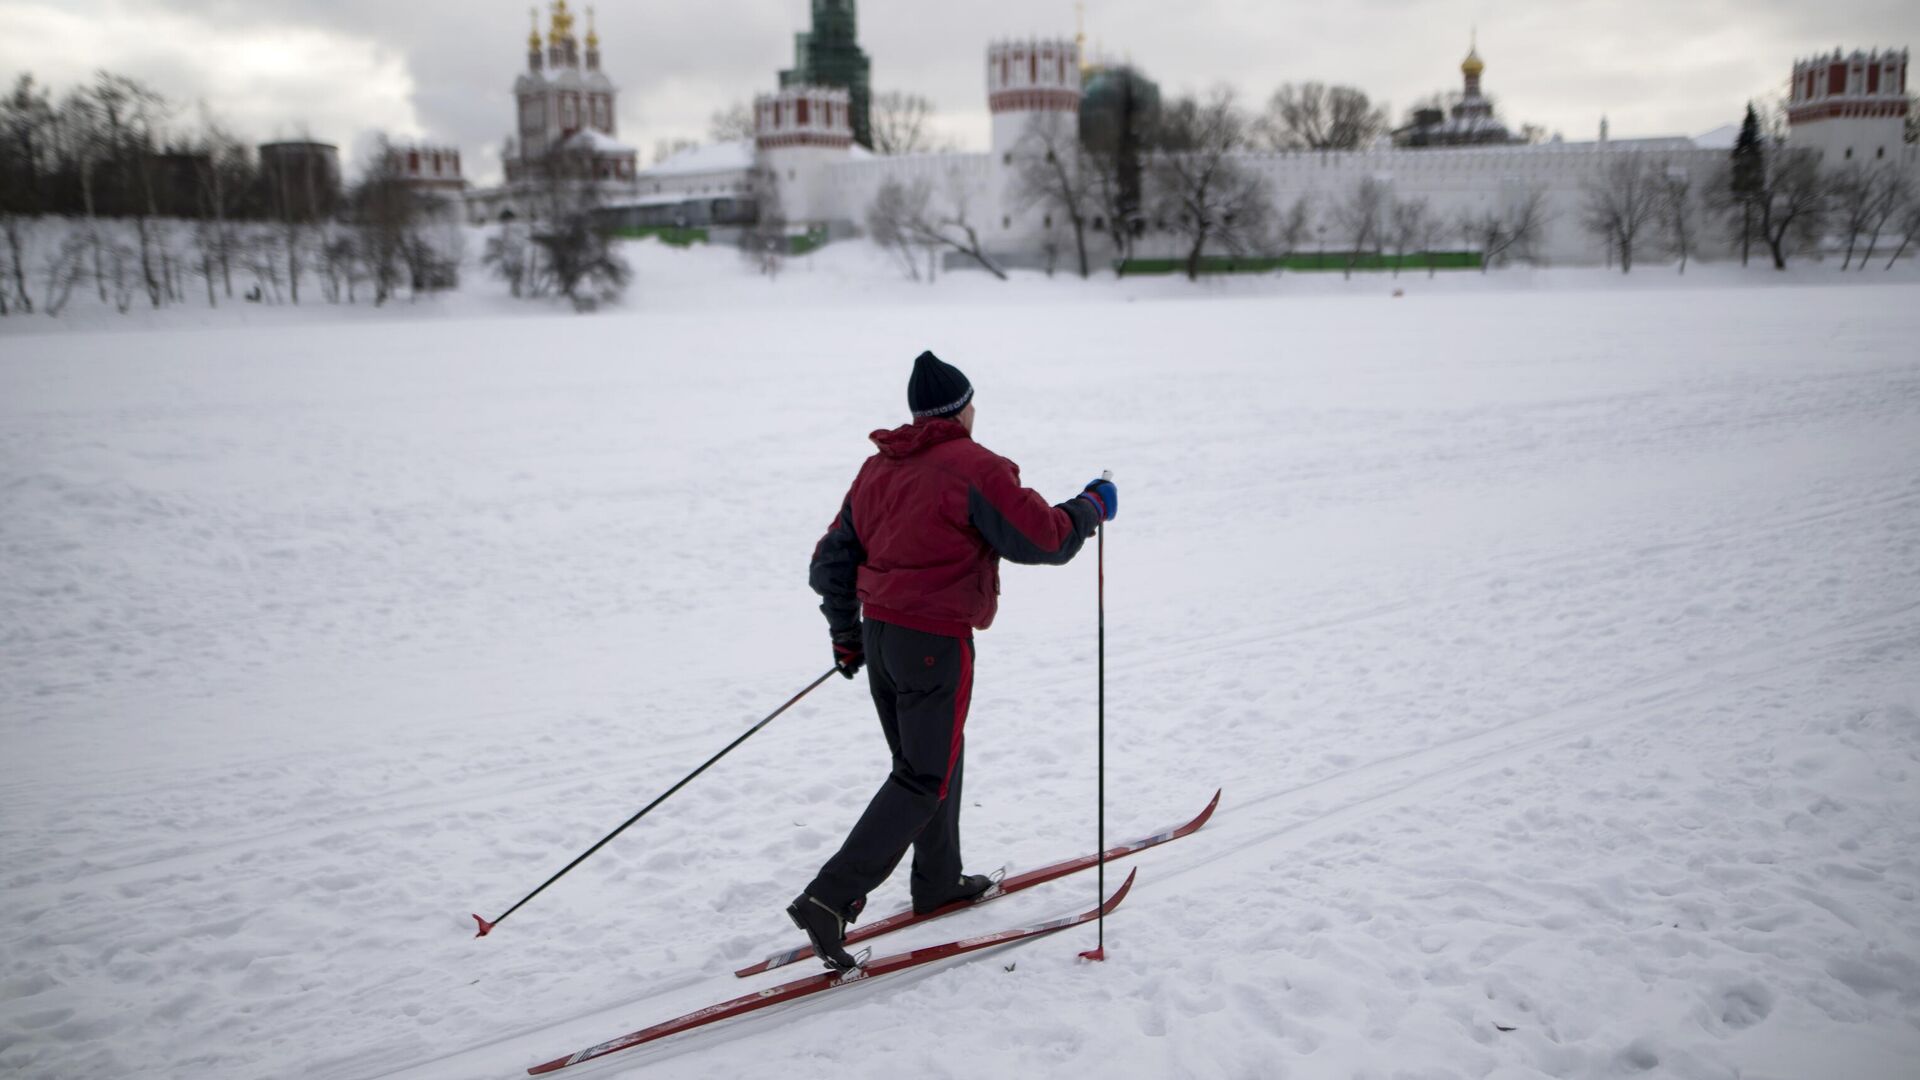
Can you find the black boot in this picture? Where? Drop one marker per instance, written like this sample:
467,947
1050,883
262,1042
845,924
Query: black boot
967,888
826,928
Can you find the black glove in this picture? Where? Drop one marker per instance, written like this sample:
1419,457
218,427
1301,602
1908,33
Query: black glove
848,651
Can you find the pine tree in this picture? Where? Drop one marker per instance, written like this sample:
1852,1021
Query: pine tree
1749,176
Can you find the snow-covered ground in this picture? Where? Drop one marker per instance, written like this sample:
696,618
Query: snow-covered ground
1555,638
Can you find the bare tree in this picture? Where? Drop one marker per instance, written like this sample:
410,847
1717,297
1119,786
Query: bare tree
1864,200
900,123
84,142
1508,230
1410,224
339,266
764,243
1294,226
1793,205
1201,190
1854,192
1677,213
224,177
26,134
385,210
1117,127
261,257
948,225
132,111
1896,194
1620,204
1362,218
511,254
1908,218
571,239
894,205
731,124
1316,116
1054,170
65,268
908,215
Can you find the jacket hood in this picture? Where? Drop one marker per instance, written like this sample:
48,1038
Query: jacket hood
910,439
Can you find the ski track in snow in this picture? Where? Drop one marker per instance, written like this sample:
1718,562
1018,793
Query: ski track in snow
1558,652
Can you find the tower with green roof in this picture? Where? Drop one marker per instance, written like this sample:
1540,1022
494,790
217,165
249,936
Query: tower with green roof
830,55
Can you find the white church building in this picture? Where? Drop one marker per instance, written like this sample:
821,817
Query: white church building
1848,107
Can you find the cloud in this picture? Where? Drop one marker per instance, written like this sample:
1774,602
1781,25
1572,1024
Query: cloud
263,81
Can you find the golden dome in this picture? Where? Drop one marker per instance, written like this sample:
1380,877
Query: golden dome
1472,65
533,39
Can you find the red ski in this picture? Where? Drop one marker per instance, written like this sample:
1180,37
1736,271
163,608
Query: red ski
1014,884
829,980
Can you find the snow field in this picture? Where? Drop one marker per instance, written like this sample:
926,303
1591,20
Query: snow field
1556,650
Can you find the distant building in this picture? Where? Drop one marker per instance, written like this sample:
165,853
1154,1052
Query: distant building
830,55
1470,122
565,108
300,180
1462,164
428,169
1850,108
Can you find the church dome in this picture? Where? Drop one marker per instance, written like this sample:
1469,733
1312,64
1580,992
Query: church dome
1472,65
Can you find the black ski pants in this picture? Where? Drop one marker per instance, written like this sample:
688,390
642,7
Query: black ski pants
922,684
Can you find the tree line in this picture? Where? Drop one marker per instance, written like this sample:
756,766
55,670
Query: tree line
107,189
1130,165
1766,195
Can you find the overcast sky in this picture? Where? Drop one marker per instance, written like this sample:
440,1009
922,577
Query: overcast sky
444,69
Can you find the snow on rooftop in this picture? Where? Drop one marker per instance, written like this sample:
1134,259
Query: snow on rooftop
1720,138
713,157
599,142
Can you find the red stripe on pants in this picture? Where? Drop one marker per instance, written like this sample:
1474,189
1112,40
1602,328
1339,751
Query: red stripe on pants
962,697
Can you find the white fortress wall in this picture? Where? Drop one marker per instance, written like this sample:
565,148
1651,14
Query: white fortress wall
1459,181
966,177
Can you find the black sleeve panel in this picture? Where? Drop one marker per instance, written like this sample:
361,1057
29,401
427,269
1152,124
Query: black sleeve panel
1016,546
835,571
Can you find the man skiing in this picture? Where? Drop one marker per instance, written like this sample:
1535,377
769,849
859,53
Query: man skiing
917,544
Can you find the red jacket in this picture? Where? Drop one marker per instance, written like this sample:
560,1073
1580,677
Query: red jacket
919,537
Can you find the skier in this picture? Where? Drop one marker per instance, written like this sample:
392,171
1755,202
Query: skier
917,545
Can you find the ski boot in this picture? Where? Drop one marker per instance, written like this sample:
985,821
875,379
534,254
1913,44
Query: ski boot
826,929
968,887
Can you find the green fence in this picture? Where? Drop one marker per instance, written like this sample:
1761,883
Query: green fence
1310,261
685,236
676,235
808,242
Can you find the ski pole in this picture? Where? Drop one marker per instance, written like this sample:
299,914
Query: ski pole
1099,951
487,926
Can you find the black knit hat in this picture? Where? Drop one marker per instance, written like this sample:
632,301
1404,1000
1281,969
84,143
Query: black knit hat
936,388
